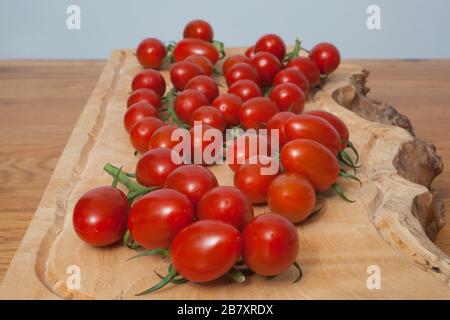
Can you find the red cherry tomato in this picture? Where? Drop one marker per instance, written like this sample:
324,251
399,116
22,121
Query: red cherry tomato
202,62
192,180
292,196
162,137
273,44
199,142
208,115
136,112
306,126
256,112
336,122
270,244
142,131
150,79
190,46
155,165
205,85
294,76
199,29
267,66
188,101
100,216
232,60
144,95
150,53
156,218
277,122
288,97
250,52
206,250
311,160
326,56
245,89
242,71
228,105
227,204
183,71
307,67
244,147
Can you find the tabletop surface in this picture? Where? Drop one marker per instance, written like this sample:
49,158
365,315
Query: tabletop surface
40,102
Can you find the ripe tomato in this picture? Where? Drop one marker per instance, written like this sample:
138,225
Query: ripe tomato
245,89
202,62
206,250
227,204
277,122
294,76
256,112
144,95
155,165
242,71
307,67
192,180
232,60
150,79
250,52
336,122
306,126
246,146
162,137
199,29
100,216
228,105
199,142
190,46
270,244
150,53
183,71
288,97
188,101
326,56
157,217
205,85
312,160
142,131
292,196
136,112
273,44
267,66
208,115
250,180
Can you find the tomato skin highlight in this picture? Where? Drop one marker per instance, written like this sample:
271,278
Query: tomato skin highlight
208,115
273,44
336,122
307,67
155,165
157,217
267,66
187,102
229,105
183,71
136,112
150,53
232,60
142,131
202,62
278,122
270,244
242,71
144,95
206,250
190,46
245,89
205,85
291,75
288,97
326,56
256,112
250,52
199,29
150,79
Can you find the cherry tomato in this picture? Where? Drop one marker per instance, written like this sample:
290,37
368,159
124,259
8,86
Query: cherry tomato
202,62
144,95
150,53
100,216
192,180
228,105
314,128
188,101
311,160
245,89
162,137
244,147
183,71
150,79
294,76
232,60
277,122
252,182
250,52
273,44
326,56
307,67
256,112
336,122
199,143
190,46
242,71
157,217
227,204
208,115
288,97
136,112
199,29
267,66
205,85
270,244
142,131
155,165
292,196
206,250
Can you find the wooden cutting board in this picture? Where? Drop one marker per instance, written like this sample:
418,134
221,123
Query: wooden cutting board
388,229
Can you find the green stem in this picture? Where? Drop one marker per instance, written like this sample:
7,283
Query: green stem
300,273
295,52
220,47
160,251
170,98
172,273
129,242
341,193
236,275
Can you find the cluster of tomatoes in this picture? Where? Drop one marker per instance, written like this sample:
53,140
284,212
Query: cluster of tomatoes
179,210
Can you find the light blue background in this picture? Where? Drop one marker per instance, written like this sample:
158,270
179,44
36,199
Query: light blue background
410,28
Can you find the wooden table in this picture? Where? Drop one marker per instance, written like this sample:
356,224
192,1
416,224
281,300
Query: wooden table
41,100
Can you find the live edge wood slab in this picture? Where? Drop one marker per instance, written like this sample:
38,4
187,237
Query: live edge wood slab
391,225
